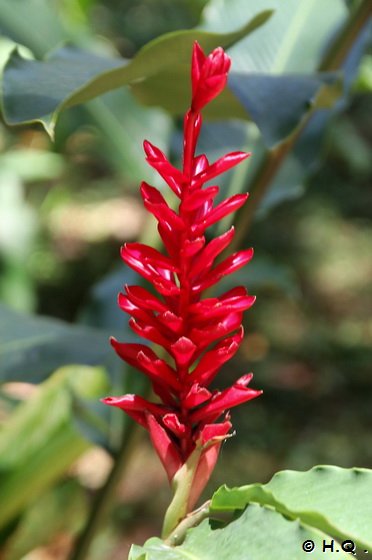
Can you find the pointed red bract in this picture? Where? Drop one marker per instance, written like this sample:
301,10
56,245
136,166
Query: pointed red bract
166,449
197,336
208,75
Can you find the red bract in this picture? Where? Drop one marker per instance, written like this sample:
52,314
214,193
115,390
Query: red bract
199,334
208,75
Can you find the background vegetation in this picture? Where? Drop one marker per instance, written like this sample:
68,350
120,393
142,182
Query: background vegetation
67,206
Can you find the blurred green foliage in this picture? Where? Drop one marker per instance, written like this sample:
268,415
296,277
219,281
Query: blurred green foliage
66,207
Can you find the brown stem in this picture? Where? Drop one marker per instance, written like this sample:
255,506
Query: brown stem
339,49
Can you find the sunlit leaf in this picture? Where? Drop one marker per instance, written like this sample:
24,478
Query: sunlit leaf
287,43
326,507
281,520
37,91
258,534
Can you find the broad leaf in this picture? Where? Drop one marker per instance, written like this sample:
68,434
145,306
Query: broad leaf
321,497
32,347
123,124
24,23
326,510
37,91
293,40
258,534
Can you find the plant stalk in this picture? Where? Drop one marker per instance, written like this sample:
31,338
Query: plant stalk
181,486
177,536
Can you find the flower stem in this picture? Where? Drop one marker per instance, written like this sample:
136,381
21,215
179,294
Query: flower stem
191,520
181,485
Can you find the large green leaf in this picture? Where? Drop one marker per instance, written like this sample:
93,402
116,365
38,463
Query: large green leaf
260,533
39,441
276,104
121,120
123,123
37,91
32,347
292,41
322,497
22,23
328,508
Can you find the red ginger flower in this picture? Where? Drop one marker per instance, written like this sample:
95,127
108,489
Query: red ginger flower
199,335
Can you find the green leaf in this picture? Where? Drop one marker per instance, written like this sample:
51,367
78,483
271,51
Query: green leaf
123,124
39,442
322,497
274,520
32,347
288,42
24,23
38,91
277,104
170,89
260,533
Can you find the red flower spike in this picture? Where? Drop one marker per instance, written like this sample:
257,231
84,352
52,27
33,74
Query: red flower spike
198,334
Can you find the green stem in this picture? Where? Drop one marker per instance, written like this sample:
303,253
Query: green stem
104,498
182,486
274,159
191,520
